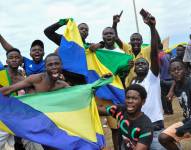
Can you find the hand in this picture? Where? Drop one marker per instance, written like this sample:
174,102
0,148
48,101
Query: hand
64,21
170,96
111,110
149,19
131,64
116,19
94,47
5,91
108,75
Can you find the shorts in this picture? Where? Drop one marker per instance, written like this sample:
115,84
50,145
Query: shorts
112,122
171,131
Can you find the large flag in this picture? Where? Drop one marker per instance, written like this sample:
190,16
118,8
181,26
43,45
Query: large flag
105,61
65,119
93,65
71,50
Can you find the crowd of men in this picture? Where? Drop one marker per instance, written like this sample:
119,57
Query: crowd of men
153,79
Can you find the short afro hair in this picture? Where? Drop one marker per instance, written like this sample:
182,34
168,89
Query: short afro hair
13,50
140,89
50,55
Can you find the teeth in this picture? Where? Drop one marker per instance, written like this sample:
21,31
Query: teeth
55,75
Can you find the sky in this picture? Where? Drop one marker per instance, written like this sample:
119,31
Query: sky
23,21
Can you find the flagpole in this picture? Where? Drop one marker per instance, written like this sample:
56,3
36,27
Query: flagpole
136,20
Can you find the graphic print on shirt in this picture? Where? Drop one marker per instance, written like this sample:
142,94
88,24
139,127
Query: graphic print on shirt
183,100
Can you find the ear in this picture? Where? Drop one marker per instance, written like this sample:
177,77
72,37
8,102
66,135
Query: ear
143,102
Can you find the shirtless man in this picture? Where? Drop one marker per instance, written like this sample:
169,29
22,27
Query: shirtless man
43,82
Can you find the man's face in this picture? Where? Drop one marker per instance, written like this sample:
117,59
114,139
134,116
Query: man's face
53,67
136,42
133,101
14,60
141,67
37,53
180,52
83,29
108,36
177,71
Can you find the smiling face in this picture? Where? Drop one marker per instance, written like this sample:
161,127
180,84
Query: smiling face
108,36
37,53
133,101
14,59
141,67
53,67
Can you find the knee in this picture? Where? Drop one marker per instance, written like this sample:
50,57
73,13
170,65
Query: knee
164,139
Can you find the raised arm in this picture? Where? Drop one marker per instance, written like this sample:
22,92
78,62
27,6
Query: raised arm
15,87
50,31
116,20
151,22
7,46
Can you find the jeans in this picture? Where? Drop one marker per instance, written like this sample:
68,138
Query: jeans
155,145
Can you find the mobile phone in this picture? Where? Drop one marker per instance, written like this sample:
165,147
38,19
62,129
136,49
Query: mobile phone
121,13
143,13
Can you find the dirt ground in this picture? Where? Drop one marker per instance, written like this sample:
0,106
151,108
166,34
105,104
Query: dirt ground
168,119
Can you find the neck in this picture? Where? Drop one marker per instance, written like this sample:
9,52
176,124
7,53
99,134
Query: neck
136,52
12,71
110,47
140,78
135,115
181,82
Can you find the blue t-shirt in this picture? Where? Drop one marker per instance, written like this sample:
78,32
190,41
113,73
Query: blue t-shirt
31,67
1,66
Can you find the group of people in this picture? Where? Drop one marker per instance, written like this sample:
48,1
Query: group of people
136,125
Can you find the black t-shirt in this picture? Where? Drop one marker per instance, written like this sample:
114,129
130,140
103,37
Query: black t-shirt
138,131
183,92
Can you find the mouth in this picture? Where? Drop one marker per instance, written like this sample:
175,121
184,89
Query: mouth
55,75
130,108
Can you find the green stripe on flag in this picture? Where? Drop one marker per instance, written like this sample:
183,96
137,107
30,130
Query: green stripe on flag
114,61
55,101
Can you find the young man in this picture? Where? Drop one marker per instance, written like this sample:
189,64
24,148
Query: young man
34,66
149,78
14,60
136,130
133,48
180,50
50,32
43,82
171,137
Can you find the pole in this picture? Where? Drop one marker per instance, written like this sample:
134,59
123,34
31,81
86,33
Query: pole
136,20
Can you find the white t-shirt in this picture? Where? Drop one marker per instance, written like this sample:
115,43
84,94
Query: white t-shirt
115,50
153,106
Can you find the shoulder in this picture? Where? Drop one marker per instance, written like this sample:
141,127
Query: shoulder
127,48
63,83
146,119
35,77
